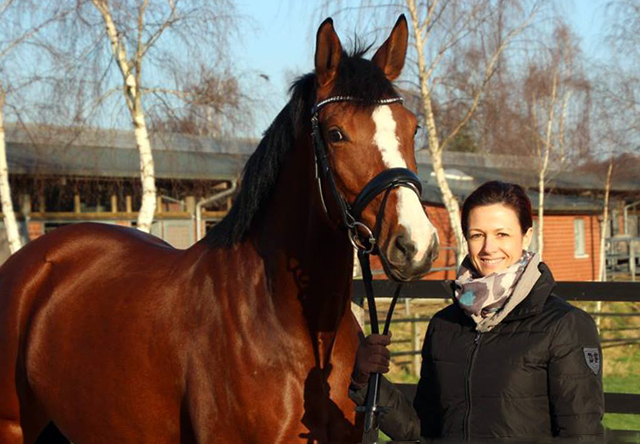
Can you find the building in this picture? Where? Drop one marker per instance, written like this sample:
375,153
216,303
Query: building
60,177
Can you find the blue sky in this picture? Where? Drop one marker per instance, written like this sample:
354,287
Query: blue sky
281,43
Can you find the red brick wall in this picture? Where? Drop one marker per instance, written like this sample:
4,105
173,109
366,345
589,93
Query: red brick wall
447,258
559,248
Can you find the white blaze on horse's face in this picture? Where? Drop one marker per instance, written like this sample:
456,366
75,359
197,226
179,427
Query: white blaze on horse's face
421,233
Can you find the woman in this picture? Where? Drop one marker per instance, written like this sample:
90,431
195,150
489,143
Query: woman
509,359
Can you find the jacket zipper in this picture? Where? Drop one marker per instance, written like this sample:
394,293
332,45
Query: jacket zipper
472,356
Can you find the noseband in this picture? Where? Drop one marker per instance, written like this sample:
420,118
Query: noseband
384,182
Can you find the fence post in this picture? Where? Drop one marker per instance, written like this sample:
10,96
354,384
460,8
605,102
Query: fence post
415,337
415,333
632,260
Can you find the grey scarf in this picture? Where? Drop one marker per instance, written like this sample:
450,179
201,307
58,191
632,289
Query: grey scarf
489,299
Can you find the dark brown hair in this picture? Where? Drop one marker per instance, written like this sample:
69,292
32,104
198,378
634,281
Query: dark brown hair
496,192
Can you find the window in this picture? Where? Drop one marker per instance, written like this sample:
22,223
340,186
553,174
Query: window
579,235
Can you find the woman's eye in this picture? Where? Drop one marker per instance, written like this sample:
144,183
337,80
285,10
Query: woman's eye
335,136
475,236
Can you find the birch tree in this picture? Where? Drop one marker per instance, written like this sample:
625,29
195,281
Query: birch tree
130,67
602,275
21,23
154,44
554,85
8,215
469,22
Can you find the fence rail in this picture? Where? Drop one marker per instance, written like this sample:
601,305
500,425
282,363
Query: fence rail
571,291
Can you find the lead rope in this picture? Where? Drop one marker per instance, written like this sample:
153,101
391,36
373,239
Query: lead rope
371,408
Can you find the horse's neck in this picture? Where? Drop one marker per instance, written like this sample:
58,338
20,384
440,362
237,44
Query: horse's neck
309,262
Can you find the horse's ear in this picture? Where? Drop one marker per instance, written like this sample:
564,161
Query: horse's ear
391,55
328,52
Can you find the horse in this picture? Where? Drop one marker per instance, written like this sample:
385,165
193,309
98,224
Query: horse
113,336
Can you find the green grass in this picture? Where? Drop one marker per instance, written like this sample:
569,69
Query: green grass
622,384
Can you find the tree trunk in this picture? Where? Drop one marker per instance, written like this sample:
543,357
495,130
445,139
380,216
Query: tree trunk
133,99
435,149
147,172
544,163
605,221
541,213
8,215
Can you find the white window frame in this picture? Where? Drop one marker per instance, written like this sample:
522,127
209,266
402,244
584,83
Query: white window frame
579,238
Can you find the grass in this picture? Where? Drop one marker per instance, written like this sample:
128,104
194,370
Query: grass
622,375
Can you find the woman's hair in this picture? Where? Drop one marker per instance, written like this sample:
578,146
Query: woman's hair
496,192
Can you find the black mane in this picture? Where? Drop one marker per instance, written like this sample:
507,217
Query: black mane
357,77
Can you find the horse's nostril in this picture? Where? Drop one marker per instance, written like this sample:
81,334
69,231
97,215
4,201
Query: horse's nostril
405,246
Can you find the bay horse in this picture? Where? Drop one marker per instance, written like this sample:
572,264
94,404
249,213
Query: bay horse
116,337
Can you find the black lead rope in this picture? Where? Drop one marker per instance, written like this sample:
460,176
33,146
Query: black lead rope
371,408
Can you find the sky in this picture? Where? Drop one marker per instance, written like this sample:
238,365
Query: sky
280,43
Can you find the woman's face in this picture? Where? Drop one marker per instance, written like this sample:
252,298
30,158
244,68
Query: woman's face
495,238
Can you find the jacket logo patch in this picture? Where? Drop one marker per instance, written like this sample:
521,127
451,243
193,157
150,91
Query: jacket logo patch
592,356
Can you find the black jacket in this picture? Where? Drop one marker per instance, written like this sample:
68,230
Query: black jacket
536,375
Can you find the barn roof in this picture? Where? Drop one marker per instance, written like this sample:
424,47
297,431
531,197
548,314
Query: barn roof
116,162
111,153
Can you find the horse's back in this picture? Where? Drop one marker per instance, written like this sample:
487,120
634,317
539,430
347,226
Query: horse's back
87,313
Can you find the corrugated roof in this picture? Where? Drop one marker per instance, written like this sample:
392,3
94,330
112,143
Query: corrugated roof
33,134
462,188
523,170
111,153
116,162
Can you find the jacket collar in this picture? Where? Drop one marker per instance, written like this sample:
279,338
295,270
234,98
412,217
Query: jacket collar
534,303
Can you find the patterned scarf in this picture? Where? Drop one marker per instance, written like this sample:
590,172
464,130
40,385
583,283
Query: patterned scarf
489,299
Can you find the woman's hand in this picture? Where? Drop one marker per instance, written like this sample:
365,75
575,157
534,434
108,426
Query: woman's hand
372,356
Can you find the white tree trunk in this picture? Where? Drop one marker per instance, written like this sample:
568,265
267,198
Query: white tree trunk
134,103
147,173
605,221
541,213
435,149
544,163
8,215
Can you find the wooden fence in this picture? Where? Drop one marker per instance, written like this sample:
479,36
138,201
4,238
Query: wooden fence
621,403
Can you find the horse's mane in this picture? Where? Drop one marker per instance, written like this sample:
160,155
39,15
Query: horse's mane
357,77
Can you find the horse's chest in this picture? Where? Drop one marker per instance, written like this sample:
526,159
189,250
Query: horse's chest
268,391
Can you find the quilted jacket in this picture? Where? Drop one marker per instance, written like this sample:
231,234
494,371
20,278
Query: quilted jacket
537,375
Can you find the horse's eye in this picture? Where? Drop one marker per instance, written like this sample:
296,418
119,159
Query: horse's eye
335,136
417,128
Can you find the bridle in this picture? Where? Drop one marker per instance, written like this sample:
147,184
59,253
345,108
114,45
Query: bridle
350,214
385,181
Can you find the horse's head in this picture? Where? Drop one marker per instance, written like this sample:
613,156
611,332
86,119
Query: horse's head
367,137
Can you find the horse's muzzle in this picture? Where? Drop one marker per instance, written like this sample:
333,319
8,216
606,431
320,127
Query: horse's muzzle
401,259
